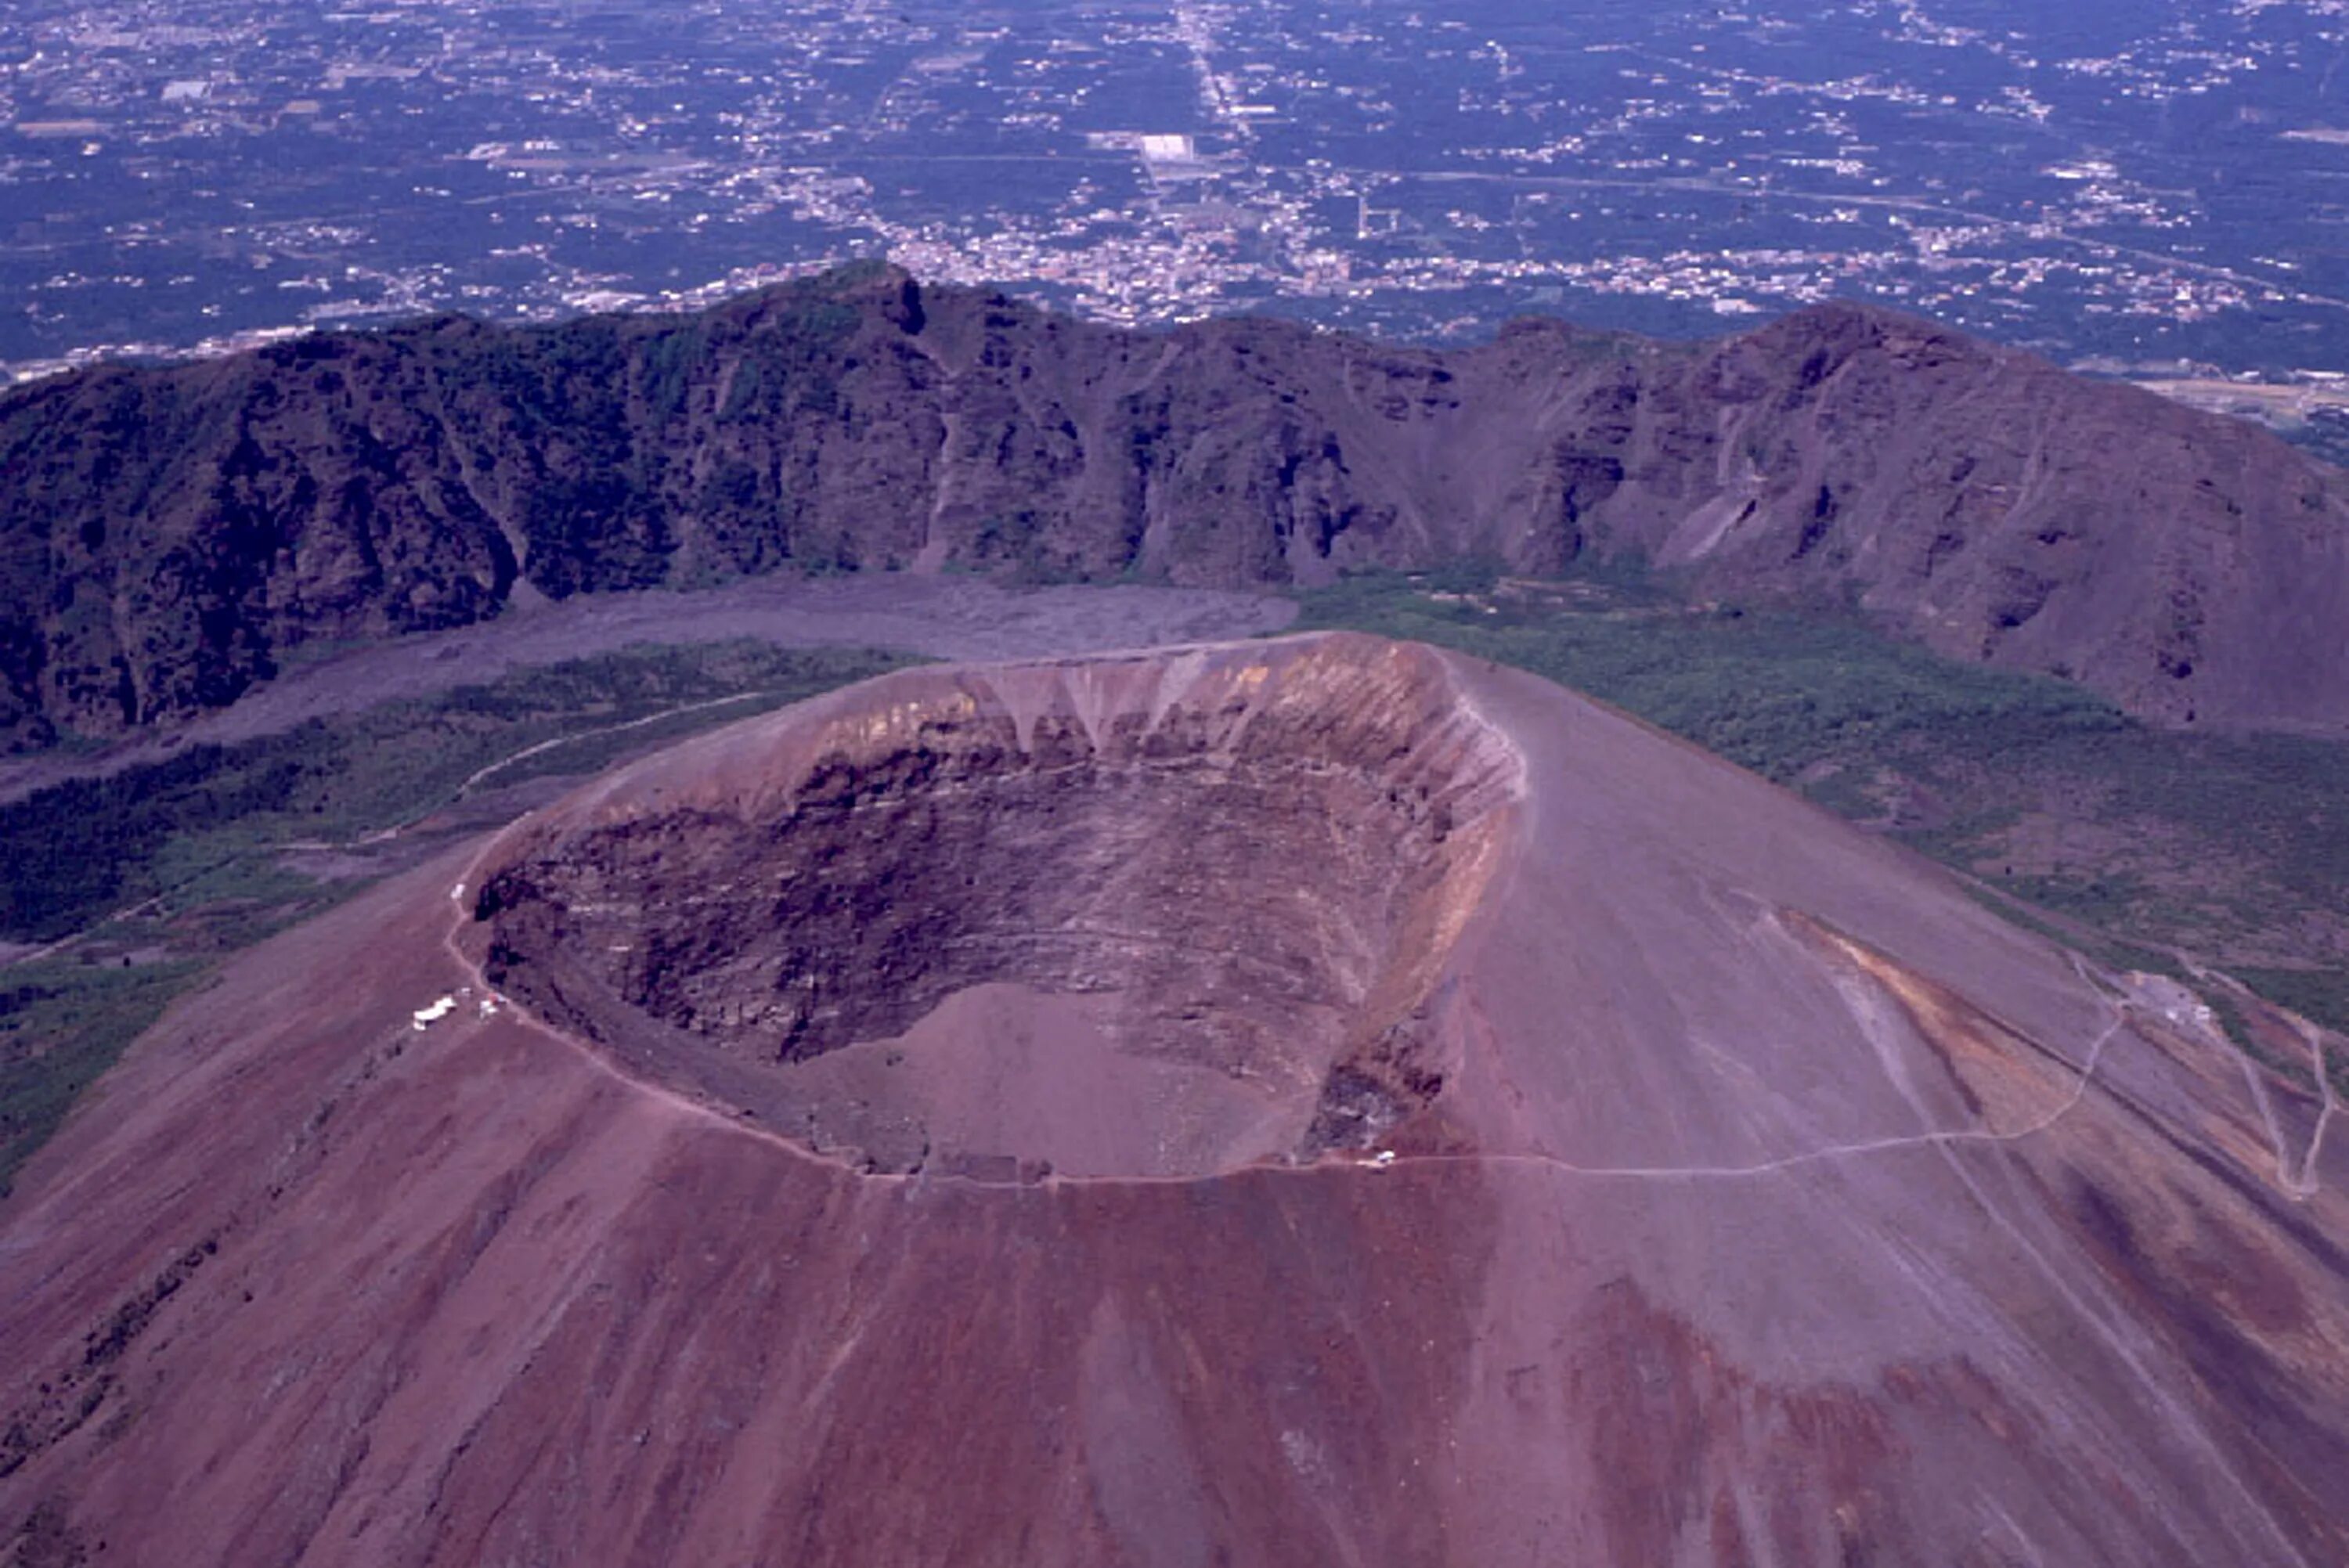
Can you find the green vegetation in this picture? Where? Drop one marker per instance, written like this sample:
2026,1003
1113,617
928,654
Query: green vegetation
2110,952
2321,995
2137,839
2290,1068
162,870
62,1024
209,820
1776,692
2325,436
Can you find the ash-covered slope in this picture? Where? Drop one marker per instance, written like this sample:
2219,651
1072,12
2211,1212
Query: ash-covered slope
1317,1101
167,535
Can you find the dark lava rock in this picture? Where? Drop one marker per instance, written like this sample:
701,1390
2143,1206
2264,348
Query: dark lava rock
167,535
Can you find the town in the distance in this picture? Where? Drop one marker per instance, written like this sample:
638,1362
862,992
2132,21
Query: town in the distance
2128,186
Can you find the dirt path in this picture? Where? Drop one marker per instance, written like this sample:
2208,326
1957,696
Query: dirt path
1941,1138
62,944
940,617
474,779
383,835
475,984
2297,1178
2306,1183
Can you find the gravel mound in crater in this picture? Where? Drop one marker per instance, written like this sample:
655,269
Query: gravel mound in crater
1140,915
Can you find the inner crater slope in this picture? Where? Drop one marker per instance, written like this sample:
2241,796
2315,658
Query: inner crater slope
1161,914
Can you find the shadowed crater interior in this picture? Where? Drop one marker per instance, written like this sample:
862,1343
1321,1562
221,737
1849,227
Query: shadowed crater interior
1140,915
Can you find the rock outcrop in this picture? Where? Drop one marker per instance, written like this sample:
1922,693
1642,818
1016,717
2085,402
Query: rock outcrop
168,536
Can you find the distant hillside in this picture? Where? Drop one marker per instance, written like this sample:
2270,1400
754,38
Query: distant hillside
168,536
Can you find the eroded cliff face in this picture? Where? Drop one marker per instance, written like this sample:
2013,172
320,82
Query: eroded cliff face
1228,881
166,536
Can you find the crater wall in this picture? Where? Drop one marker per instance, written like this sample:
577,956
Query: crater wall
1213,893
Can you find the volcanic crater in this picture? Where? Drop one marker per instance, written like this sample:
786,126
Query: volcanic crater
1148,916
1760,1195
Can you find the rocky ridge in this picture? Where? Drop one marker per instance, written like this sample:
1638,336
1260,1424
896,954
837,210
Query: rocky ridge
169,537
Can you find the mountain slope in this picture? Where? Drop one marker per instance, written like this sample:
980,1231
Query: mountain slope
1647,1168
167,537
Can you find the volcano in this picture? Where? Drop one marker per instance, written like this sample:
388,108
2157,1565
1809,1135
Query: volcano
1317,1101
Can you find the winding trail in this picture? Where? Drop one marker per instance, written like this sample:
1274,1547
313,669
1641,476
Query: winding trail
2306,1183
2302,1183
477,983
1940,1137
379,835
2130,1350
128,911
473,778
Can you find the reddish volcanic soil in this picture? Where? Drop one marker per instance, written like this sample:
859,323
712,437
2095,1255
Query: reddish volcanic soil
1318,1102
